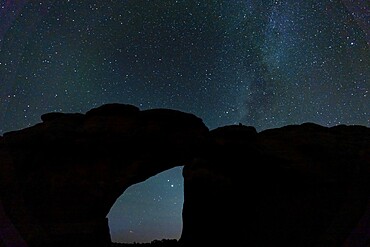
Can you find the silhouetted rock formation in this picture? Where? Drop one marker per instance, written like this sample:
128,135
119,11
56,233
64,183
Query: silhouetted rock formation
60,178
300,185
296,186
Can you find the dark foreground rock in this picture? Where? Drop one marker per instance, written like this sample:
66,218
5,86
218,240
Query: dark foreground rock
300,185
303,185
60,178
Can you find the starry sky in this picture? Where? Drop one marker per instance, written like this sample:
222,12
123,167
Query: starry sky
265,63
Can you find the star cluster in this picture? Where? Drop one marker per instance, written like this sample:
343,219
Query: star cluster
261,63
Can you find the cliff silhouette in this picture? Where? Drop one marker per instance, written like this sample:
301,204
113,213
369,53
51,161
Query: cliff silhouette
299,185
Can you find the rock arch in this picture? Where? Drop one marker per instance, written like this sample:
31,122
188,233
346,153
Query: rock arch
65,173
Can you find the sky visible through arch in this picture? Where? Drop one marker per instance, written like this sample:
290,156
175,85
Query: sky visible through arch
261,63
149,210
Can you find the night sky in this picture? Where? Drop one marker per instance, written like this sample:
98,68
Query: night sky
257,62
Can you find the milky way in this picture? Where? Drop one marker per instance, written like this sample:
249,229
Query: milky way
261,63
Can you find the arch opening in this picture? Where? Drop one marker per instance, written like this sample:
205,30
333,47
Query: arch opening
150,210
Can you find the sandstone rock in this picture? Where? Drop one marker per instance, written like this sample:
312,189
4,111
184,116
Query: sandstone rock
300,185
60,178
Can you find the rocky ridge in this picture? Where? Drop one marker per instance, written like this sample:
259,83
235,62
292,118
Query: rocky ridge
299,185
